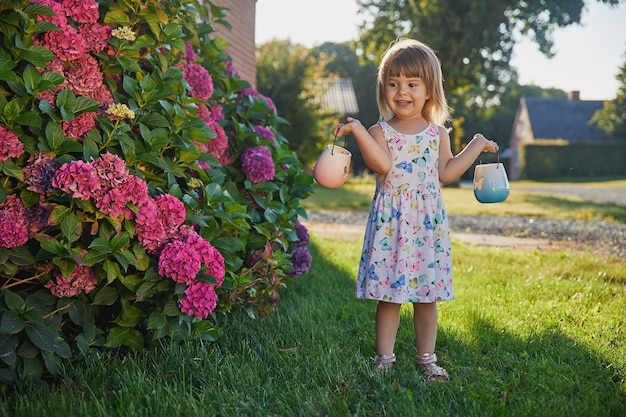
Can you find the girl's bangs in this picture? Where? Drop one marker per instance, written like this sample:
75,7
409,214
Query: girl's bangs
407,64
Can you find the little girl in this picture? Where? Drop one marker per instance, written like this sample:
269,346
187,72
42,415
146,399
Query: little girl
406,255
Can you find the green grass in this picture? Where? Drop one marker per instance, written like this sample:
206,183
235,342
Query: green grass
529,334
357,195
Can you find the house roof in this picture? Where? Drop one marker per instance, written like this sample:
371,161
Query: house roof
336,95
563,118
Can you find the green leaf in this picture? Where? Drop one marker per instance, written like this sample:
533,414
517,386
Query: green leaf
119,241
21,256
62,349
11,110
101,245
14,301
106,296
84,105
11,323
120,336
112,269
10,169
90,148
29,118
157,320
71,227
58,213
36,55
32,369
54,136
41,335
32,77
116,18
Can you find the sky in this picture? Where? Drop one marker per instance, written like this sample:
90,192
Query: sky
587,57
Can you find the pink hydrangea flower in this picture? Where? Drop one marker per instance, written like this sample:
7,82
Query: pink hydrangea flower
39,172
59,18
77,178
111,170
83,279
199,80
82,11
111,202
13,232
257,163
148,227
179,262
66,44
84,77
95,35
10,145
134,190
170,211
200,300
80,125
251,92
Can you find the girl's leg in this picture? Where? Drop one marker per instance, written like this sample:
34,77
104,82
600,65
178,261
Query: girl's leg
387,322
425,323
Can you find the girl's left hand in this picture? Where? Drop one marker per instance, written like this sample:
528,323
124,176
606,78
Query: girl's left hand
488,145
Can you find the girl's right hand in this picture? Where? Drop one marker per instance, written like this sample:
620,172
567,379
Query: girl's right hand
346,129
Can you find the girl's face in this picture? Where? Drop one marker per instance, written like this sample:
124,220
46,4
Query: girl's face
406,96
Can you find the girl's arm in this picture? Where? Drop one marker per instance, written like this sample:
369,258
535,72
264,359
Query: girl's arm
452,167
372,144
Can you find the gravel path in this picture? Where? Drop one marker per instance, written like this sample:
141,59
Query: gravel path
606,238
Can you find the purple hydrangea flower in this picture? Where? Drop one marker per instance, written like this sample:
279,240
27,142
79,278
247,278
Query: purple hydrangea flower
257,163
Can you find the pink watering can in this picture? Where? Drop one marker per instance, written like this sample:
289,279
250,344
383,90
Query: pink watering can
333,166
491,184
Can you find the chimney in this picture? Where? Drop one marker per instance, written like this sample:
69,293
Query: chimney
574,95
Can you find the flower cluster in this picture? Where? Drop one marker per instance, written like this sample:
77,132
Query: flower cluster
124,33
13,222
303,234
120,111
39,173
301,260
82,279
258,164
218,146
264,132
78,36
10,145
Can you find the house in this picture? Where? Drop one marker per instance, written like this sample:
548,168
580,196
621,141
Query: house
241,16
336,95
554,119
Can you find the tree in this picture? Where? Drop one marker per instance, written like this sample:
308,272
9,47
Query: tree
474,39
612,118
284,73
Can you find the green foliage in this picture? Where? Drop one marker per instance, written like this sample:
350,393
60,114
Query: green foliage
147,113
612,118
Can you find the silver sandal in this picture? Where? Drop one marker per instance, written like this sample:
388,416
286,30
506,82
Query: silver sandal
427,363
383,363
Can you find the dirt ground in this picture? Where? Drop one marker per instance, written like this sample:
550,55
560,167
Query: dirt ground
350,232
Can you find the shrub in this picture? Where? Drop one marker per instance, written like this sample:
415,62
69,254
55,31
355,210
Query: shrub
127,212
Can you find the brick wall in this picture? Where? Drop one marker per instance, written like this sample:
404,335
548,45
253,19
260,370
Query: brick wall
241,16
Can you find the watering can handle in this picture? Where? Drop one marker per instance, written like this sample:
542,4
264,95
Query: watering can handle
480,161
345,144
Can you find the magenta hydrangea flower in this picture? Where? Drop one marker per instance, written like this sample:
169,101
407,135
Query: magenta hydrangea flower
170,211
301,260
78,179
199,80
264,132
303,234
190,54
10,145
257,163
179,262
251,92
200,300
59,17
209,257
83,279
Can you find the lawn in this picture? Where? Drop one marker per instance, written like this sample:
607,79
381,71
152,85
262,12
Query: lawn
529,334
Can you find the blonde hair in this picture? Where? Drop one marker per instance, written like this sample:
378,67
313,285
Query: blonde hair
413,59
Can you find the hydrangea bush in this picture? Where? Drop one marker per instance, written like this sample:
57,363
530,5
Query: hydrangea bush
145,189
